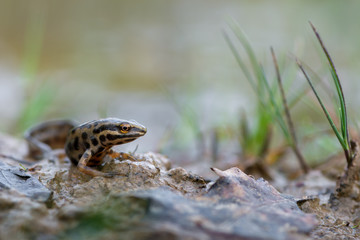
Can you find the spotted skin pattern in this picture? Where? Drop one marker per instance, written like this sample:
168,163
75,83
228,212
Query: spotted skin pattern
86,145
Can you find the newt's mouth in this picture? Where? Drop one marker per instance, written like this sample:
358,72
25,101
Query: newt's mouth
137,129
140,131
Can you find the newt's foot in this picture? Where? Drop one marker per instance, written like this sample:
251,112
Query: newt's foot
123,156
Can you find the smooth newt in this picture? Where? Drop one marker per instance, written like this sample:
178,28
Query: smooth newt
85,145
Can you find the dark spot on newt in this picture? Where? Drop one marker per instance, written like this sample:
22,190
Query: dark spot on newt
105,127
84,135
102,138
94,141
70,147
76,143
74,161
87,145
111,137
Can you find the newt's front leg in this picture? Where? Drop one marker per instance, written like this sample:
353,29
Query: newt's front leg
82,166
121,155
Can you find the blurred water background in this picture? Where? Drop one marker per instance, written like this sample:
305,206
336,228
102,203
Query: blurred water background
162,63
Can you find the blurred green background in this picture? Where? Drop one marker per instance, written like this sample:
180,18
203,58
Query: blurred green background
163,63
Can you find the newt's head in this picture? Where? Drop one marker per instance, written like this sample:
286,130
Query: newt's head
113,131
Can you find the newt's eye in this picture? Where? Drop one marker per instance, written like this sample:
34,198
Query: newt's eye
124,128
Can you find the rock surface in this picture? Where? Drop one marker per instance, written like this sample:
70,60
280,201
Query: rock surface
15,178
148,200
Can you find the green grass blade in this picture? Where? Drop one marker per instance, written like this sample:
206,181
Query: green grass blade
250,53
263,86
277,109
242,65
252,142
343,113
336,131
301,93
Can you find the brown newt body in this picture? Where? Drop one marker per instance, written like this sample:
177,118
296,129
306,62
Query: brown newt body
87,144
